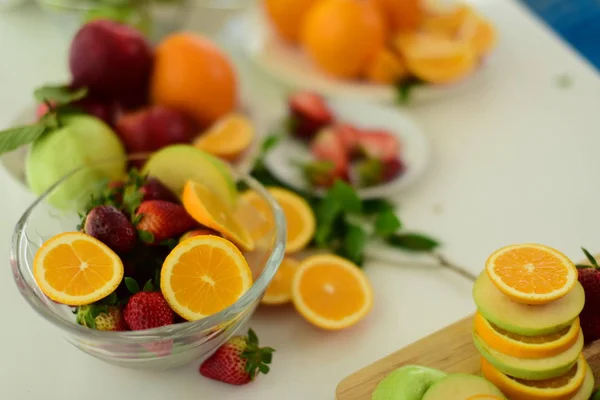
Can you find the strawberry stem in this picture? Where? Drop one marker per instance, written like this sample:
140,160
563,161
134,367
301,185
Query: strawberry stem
591,259
257,358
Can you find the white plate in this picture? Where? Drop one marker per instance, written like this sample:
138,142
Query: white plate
290,66
414,145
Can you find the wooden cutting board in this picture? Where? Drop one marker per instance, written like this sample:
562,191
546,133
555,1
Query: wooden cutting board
450,349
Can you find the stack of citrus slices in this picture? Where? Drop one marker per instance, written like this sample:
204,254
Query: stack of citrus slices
328,291
527,328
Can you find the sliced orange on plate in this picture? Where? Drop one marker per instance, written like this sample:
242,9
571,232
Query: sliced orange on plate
76,269
300,219
279,290
531,273
331,292
206,207
227,138
561,388
526,346
204,275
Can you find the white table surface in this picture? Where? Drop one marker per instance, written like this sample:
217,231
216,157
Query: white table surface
516,160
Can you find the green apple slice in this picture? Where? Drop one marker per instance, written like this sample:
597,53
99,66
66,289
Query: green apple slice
176,164
524,319
587,387
461,387
407,383
531,368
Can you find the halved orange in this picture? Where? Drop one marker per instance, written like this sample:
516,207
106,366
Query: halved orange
210,210
331,292
531,273
485,397
76,269
204,275
561,388
300,219
227,138
526,346
280,288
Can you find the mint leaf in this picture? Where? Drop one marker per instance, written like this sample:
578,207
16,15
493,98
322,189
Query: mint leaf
354,242
131,285
327,212
345,196
386,223
412,242
59,95
375,206
14,138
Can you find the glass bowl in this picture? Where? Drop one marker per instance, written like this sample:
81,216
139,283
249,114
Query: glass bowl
160,348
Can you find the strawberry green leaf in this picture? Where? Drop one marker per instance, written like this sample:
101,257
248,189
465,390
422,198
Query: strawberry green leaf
14,138
252,338
157,278
110,300
148,287
131,285
590,258
170,243
59,95
386,223
257,359
145,236
412,242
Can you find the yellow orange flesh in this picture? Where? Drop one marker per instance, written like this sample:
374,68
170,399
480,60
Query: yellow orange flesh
210,210
204,275
331,292
531,273
526,346
561,388
76,269
279,290
485,397
228,138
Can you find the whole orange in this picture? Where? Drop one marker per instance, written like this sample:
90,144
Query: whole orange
402,15
341,36
286,16
193,75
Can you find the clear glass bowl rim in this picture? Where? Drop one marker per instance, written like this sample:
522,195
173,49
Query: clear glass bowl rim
181,329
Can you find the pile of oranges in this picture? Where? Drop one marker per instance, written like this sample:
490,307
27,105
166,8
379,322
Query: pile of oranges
384,41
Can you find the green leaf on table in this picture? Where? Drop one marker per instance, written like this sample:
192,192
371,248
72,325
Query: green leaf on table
355,242
345,196
386,223
13,138
59,94
412,242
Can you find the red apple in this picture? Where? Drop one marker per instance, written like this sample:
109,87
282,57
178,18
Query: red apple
155,127
106,111
112,60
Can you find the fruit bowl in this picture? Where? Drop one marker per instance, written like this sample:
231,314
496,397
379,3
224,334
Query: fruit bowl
158,348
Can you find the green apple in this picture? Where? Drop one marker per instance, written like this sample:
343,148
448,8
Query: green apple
407,383
82,140
587,387
461,387
531,368
174,165
525,319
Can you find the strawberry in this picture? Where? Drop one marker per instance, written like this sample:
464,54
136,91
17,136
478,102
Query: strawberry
378,144
161,220
348,136
308,114
153,189
109,225
374,172
147,310
238,361
327,146
101,317
589,277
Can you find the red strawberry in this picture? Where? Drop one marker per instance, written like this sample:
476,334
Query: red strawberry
589,277
163,220
308,113
238,361
348,136
327,146
379,144
372,172
109,225
153,189
147,310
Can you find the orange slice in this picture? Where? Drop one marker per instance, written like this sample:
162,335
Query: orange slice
228,137
280,288
561,388
531,273
436,59
385,68
485,397
300,219
210,210
76,269
526,346
204,275
331,292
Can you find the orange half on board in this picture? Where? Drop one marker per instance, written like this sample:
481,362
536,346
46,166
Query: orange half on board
531,273
279,290
204,275
76,269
